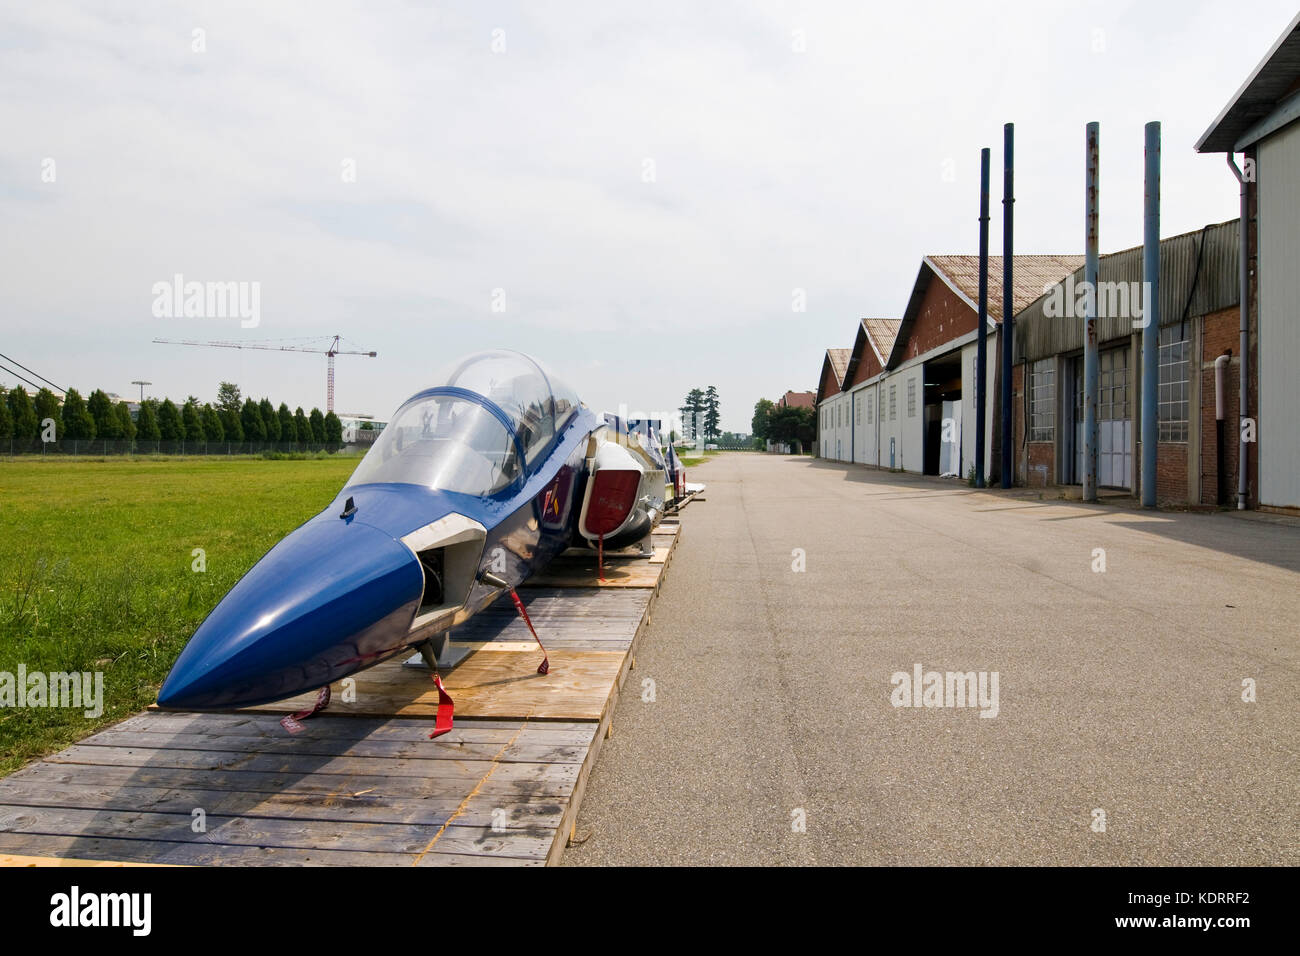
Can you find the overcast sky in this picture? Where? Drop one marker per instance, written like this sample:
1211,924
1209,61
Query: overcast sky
641,186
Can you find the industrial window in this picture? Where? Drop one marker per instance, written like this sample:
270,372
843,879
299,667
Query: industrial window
893,403
1112,398
911,398
1042,400
857,409
871,405
1173,384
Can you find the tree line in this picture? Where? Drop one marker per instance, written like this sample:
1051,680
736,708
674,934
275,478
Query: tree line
783,423
232,418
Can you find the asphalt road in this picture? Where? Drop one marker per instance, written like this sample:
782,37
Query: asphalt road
1118,691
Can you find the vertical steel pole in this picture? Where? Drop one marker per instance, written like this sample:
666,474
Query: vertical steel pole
1090,362
981,349
1007,336
1151,314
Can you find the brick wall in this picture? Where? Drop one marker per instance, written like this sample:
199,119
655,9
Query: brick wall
1171,471
941,318
1040,464
1220,335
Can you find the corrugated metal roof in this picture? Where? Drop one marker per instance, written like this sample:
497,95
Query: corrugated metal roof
1275,76
1216,287
1029,275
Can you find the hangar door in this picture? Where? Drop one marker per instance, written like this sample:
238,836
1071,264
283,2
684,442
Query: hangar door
1114,420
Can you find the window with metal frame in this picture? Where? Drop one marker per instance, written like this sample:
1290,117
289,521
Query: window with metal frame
870,408
1174,388
911,398
1042,400
893,403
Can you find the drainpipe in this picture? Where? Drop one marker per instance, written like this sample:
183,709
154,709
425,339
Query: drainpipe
1150,315
981,348
1091,367
1008,300
1244,335
1220,413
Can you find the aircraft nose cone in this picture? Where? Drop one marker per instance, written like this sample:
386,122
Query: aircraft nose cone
330,598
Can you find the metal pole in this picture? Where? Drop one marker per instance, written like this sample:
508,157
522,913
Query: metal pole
1150,314
1008,300
981,349
1090,363
1243,331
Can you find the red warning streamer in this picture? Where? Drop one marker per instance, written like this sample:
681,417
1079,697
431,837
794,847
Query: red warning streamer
446,709
293,722
545,666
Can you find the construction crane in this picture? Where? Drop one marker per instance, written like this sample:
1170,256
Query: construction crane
331,351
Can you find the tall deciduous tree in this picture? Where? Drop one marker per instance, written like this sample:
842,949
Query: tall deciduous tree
123,412
6,416
762,413
270,420
250,417
146,421
47,406
26,424
169,421
288,431
317,426
333,429
212,428
193,421
228,397
78,423
102,410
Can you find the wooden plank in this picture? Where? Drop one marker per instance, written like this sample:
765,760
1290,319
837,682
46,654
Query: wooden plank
261,832
509,781
486,810
353,728
642,574
504,685
511,752
13,859
186,854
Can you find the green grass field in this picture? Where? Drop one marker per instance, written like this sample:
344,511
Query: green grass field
96,571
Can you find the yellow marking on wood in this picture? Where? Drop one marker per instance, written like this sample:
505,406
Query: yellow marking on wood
471,795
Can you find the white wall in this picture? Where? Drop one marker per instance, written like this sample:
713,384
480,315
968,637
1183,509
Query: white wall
835,428
864,439
907,432
968,353
1279,331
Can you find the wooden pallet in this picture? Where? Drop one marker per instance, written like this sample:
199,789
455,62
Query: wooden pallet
362,784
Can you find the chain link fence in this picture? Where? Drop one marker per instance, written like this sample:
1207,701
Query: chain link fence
115,447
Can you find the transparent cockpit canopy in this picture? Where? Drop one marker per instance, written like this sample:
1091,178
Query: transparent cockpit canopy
532,398
454,444
444,443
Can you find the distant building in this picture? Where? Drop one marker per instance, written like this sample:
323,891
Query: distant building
359,428
797,400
